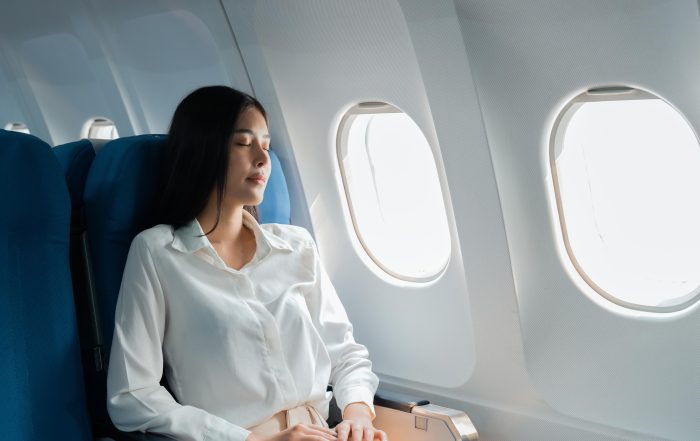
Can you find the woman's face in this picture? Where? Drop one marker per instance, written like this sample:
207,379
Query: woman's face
249,159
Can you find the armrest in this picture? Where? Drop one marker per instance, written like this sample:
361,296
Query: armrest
409,418
397,401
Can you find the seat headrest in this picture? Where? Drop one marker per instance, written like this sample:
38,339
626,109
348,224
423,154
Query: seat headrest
121,184
275,207
33,193
134,163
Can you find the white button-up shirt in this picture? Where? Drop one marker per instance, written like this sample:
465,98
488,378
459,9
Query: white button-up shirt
235,346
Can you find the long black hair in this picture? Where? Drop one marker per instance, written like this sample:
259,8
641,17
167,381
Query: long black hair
196,154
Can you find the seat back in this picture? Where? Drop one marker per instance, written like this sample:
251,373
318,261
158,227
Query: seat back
119,192
41,389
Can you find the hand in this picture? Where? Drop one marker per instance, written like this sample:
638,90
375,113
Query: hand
357,425
298,432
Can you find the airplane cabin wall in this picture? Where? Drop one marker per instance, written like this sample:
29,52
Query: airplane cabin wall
587,356
336,55
507,332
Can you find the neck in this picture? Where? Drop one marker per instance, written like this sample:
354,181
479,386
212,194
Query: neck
230,226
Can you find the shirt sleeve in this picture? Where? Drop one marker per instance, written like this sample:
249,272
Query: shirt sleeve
135,399
351,370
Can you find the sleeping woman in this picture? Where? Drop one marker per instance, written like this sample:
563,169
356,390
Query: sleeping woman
240,317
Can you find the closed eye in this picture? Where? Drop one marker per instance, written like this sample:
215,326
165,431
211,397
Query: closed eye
266,148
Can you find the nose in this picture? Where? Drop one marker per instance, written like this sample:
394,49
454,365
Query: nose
262,156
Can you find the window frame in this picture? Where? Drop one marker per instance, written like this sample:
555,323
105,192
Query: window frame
346,122
598,94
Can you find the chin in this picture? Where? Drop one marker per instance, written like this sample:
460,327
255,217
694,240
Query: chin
255,200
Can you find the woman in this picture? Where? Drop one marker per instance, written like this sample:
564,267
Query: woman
241,317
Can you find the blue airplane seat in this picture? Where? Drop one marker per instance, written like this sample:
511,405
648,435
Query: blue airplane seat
119,192
41,390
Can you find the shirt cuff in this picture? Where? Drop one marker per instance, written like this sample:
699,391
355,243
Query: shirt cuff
218,429
357,394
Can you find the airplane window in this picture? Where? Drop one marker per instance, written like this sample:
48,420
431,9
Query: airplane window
99,128
625,167
394,192
17,127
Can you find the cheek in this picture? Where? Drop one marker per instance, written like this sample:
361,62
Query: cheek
234,167
234,181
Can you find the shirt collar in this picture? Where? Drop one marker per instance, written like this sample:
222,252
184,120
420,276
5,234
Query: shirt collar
190,237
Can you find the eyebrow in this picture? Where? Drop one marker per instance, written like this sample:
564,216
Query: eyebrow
250,132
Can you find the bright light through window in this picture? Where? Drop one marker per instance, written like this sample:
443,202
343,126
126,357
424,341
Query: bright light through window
394,193
99,128
628,173
17,127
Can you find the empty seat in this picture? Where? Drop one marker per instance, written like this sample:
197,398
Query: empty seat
41,389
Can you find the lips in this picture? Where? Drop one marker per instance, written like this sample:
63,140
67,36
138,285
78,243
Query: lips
258,178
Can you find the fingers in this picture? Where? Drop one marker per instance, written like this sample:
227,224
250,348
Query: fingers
322,433
325,430
357,430
348,431
380,435
353,431
343,430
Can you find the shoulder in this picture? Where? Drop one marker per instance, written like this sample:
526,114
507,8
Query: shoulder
153,239
292,235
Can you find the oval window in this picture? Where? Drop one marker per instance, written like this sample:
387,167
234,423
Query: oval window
17,127
394,192
99,128
625,166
